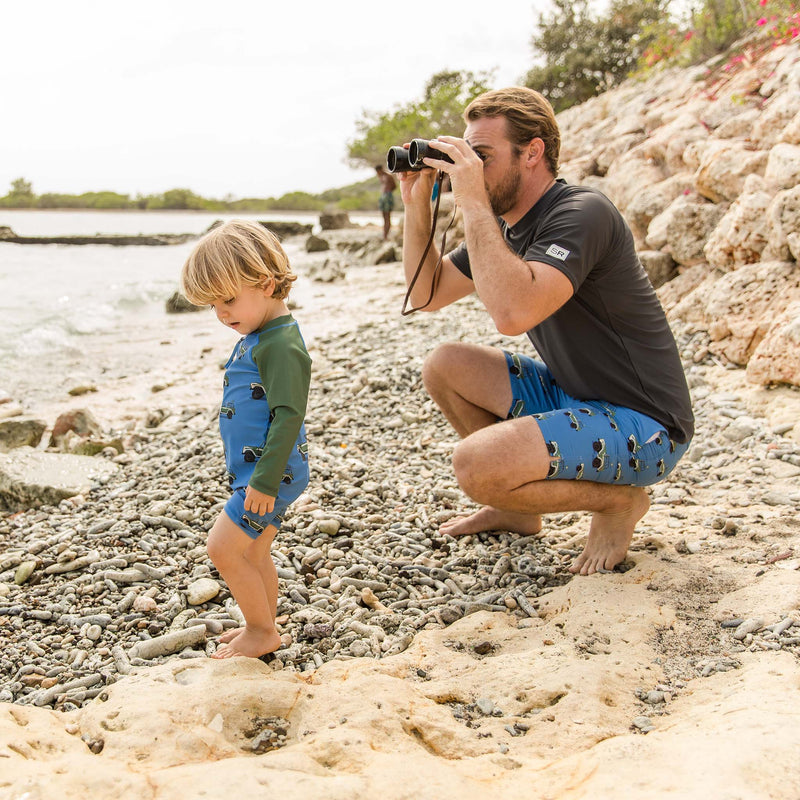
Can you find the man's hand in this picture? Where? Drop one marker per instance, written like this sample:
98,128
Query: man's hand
257,502
466,171
417,186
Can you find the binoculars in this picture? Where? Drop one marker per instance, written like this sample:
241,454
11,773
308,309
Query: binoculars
400,159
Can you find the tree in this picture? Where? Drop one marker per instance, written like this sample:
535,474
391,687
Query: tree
584,54
21,194
438,112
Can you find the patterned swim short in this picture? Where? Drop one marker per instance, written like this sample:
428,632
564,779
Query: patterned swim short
253,524
590,440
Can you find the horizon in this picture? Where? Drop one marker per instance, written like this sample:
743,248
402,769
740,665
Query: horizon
158,96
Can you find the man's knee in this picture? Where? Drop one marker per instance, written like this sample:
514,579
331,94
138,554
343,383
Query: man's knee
439,365
471,474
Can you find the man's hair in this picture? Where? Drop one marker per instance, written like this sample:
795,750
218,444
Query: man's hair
528,116
236,254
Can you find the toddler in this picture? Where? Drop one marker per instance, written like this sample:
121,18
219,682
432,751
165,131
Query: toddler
242,272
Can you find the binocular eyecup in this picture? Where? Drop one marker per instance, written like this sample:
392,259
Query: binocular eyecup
400,159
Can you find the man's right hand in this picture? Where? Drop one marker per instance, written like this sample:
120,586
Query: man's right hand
416,187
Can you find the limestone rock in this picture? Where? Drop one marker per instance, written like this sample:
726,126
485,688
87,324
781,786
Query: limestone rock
740,236
777,358
659,266
201,591
29,478
81,421
688,230
724,168
19,432
783,221
783,165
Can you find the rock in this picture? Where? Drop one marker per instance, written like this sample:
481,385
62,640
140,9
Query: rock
316,244
777,357
330,271
387,255
688,228
20,432
201,591
284,228
725,166
177,304
783,165
169,643
80,421
740,236
334,220
29,478
783,222
659,266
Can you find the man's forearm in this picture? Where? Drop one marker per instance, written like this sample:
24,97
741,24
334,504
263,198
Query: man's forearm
416,231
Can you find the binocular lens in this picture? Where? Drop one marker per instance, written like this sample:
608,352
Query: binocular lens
397,160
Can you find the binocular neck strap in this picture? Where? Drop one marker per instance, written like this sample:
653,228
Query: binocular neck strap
435,278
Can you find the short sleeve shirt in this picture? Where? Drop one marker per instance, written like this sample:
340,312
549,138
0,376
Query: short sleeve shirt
611,340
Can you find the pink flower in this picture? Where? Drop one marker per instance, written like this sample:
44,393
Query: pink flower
762,21
762,2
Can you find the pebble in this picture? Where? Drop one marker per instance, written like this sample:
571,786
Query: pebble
361,563
201,591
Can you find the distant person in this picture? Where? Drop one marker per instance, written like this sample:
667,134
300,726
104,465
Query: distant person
241,271
604,410
386,201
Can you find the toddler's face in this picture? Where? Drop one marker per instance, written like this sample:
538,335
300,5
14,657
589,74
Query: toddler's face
250,310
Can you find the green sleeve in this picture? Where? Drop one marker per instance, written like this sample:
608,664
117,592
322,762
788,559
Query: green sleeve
285,370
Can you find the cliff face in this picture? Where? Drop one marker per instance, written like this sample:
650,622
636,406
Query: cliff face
705,165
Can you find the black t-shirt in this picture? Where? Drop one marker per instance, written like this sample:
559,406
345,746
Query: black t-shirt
610,341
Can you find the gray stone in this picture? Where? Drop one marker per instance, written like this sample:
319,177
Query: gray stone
19,432
29,478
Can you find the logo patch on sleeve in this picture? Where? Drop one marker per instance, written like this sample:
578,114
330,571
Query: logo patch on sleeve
557,252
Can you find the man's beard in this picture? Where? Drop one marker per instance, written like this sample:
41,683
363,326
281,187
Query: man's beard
503,197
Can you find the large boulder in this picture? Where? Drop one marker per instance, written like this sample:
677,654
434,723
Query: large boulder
31,478
724,167
334,220
688,229
777,358
741,235
783,165
783,222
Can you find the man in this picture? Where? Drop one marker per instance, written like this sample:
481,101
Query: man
386,200
608,412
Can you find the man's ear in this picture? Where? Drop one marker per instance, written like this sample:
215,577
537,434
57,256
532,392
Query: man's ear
535,151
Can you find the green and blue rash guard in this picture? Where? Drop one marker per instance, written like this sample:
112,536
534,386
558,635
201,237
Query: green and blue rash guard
263,409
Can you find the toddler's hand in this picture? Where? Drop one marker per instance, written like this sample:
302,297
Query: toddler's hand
257,502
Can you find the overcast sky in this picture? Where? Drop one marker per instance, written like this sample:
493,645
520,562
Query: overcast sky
242,97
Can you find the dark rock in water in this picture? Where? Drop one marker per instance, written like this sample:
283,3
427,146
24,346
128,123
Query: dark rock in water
284,229
20,431
316,244
334,220
118,240
178,304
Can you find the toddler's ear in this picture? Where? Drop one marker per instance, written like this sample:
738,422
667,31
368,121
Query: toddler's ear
268,286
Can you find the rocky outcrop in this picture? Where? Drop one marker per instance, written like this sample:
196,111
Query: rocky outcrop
705,166
118,240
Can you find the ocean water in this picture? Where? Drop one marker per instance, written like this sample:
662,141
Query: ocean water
61,305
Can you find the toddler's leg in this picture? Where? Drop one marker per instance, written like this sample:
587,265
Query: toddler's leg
229,547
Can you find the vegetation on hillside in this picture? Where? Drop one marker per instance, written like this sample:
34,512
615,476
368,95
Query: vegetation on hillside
578,53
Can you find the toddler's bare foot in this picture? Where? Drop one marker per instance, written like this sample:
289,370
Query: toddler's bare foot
229,635
492,519
610,535
251,644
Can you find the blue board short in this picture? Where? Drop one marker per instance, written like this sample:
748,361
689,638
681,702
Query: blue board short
590,440
253,524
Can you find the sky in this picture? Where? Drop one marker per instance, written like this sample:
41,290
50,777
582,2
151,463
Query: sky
239,98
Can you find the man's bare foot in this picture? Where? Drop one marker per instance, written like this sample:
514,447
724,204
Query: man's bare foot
610,535
229,635
251,644
492,519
